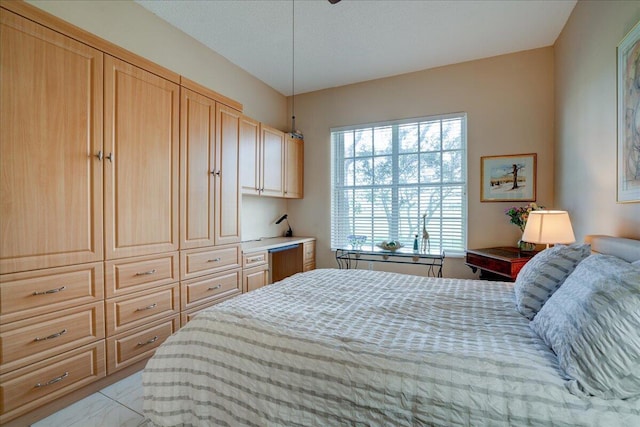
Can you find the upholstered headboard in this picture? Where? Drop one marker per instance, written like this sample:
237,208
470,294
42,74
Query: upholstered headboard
627,249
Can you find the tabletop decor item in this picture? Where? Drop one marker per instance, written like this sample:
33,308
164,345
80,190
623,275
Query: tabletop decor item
356,240
519,215
391,245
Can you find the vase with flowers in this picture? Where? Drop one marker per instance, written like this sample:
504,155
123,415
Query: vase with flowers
519,216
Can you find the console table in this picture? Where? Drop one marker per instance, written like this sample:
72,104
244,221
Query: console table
500,263
349,258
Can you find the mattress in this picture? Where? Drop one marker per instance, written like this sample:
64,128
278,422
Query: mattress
355,347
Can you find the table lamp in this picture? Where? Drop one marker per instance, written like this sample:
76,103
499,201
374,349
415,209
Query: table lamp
548,227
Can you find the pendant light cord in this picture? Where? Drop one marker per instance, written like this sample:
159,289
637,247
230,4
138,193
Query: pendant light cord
293,66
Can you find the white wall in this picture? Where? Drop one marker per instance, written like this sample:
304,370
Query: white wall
509,102
586,118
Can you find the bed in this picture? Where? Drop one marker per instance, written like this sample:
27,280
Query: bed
366,348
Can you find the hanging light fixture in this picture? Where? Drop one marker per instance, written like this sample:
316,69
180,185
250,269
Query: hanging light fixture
294,132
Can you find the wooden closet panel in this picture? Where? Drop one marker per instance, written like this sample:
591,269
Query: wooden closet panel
272,161
227,176
141,167
50,133
197,168
293,167
250,153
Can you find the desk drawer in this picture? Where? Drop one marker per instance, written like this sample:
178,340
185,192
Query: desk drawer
254,259
309,252
128,275
124,313
27,388
491,264
129,348
32,293
25,342
199,262
209,288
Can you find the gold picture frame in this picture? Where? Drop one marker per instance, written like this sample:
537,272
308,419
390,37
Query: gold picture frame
628,147
509,178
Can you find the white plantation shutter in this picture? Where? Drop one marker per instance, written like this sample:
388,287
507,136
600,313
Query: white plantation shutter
386,176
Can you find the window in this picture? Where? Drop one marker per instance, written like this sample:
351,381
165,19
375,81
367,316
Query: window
387,178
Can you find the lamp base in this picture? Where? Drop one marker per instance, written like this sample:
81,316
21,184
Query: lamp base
288,233
526,246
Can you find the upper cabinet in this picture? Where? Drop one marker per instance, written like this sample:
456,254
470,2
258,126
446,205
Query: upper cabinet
141,161
50,138
209,171
251,155
293,167
272,161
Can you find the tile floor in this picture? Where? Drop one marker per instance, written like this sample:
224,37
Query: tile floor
119,405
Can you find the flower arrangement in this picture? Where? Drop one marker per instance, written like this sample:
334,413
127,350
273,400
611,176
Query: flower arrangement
519,215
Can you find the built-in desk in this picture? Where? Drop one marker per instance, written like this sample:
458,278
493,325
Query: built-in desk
278,257
349,258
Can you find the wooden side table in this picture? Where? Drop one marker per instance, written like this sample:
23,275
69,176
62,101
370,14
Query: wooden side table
500,263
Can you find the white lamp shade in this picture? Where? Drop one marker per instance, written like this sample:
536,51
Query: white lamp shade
548,227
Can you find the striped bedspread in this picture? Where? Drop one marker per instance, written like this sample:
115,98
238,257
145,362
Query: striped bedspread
366,348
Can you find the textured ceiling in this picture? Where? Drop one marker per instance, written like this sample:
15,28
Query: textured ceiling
359,40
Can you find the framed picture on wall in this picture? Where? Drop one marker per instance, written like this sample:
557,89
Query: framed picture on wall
628,169
509,178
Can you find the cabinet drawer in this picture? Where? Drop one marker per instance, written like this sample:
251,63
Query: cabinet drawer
24,295
124,313
253,259
131,347
27,388
199,262
255,278
309,252
309,266
25,342
208,288
495,265
188,315
129,275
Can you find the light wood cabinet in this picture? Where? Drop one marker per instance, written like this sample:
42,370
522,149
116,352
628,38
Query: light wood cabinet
141,161
272,161
209,197
293,167
255,277
227,176
309,255
251,155
50,135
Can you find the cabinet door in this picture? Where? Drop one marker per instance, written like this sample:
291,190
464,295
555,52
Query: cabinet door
272,162
250,153
255,278
141,168
293,167
227,176
50,133
197,142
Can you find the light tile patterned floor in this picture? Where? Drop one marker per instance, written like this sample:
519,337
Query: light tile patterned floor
120,405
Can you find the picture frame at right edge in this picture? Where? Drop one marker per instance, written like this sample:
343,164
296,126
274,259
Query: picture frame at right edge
628,144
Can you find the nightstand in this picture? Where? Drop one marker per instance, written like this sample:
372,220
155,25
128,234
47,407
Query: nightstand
500,263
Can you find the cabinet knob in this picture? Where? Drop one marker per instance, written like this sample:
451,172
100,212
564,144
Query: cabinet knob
216,173
100,155
111,157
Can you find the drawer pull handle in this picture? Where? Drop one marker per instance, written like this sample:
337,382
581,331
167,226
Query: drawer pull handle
213,288
151,341
62,332
50,291
146,273
256,259
214,260
53,381
149,307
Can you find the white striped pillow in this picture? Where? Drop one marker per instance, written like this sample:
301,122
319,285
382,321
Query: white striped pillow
592,323
544,274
